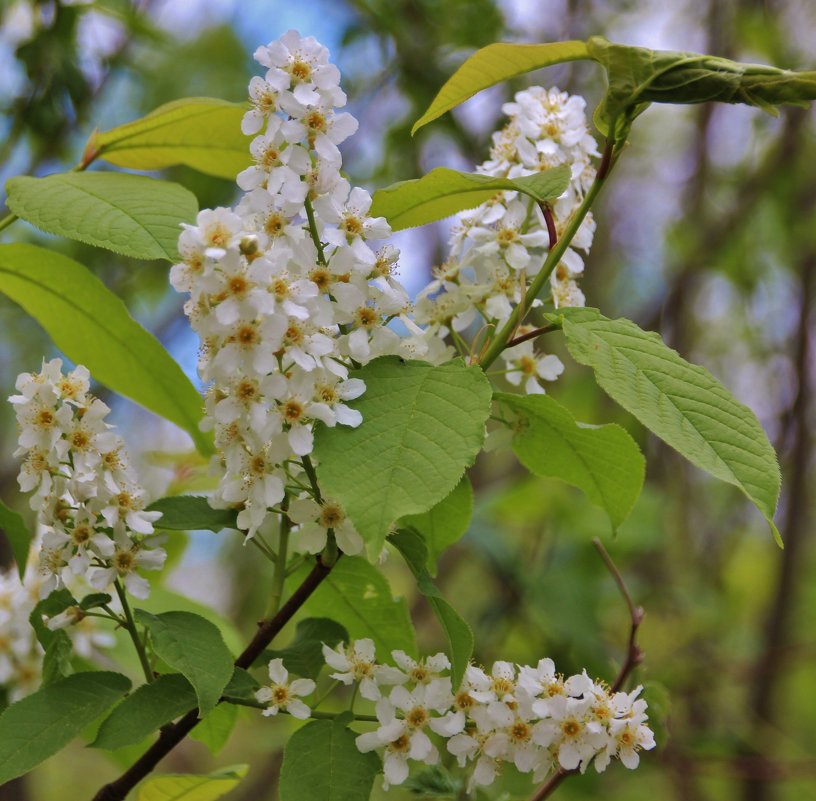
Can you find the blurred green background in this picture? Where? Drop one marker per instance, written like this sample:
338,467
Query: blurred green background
706,234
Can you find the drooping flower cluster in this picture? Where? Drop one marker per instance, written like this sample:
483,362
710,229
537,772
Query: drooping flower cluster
496,248
91,508
530,716
286,293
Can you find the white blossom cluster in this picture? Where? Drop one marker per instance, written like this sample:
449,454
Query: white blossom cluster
496,248
90,506
286,294
21,655
530,716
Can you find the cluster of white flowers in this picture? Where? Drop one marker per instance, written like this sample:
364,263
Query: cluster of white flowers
496,248
287,294
90,506
21,655
530,716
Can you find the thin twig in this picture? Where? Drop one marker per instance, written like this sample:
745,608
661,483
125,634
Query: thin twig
537,332
634,656
173,734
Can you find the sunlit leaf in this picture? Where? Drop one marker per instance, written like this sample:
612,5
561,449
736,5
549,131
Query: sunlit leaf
93,327
496,63
129,214
187,787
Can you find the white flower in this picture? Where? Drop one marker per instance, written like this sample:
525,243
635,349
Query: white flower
356,663
282,695
530,367
314,520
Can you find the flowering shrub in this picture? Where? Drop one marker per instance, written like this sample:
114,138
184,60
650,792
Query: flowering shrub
340,418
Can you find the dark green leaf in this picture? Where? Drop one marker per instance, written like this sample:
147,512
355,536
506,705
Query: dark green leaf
18,536
192,513
193,646
94,600
146,709
57,659
321,763
304,657
357,595
215,730
43,723
56,602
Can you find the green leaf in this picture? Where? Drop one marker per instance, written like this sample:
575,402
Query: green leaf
57,659
423,425
202,132
639,76
146,709
43,723
603,461
94,600
321,763
93,327
443,524
187,787
443,192
215,729
192,513
496,63
356,595
193,646
681,403
129,214
57,601
18,536
304,657
241,685
460,637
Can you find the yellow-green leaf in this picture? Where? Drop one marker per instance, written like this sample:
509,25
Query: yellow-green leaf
496,63
129,214
202,132
188,787
443,192
93,327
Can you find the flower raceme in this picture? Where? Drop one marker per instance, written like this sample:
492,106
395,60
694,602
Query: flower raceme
287,293
533,717
90,506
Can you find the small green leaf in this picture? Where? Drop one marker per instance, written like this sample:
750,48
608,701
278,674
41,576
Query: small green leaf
215,730
18,536
241,685
443,192
57,659
443,524
202,132
423,426
94,600
57,601
321,763
681,403
603,461
357,596
304,657
188,787
193,646
496,63
128,214
459,634
146,709
46,721
93,327
192,513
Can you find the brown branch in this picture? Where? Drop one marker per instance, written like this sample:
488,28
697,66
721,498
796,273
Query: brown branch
548,218
529,335
172,735
634,656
